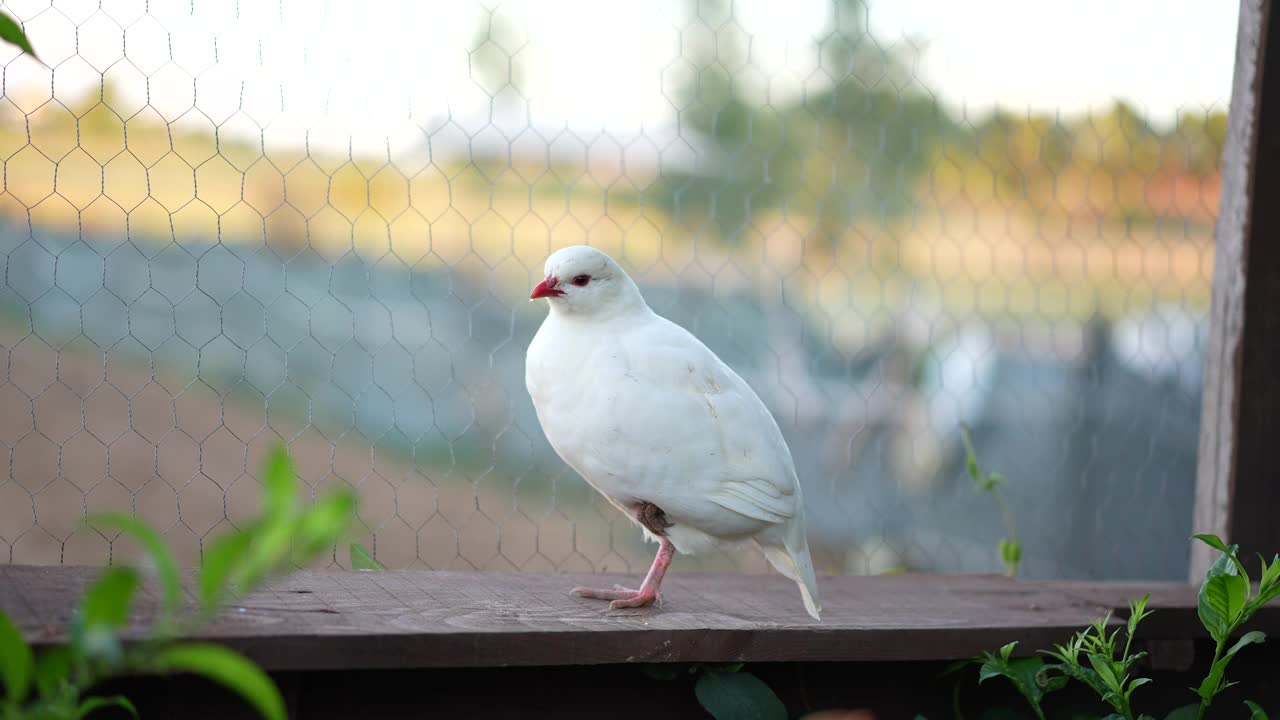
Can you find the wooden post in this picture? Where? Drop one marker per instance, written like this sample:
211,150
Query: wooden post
1238,474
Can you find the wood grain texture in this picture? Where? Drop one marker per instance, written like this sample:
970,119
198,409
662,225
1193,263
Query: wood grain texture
1237,493
426,619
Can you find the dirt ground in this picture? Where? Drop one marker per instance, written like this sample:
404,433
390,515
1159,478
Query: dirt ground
85,431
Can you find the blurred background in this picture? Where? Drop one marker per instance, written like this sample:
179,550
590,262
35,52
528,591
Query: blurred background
225,225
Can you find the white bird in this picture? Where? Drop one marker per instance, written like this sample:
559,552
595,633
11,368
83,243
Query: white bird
660,426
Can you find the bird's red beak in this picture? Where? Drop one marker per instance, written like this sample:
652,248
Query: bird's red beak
546,288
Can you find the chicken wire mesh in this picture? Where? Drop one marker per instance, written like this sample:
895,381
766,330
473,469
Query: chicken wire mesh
192,273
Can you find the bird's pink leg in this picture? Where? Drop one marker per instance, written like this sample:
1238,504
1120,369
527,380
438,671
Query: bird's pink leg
648,592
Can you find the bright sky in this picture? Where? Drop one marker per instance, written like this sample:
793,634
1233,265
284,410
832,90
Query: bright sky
370,71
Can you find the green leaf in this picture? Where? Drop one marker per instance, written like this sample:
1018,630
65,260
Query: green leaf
106,602
1249,638
1219,594
228,668
267,550
162,558
103,610
1055,682
1270,572
1066,654
1212,541
1102,666
11,31
97,703
1269,585
1137,613
220,560
53,668
1237,596
1129,661
993,481
362,560
1010,553
16,661
1213,684
1088,677
1216,543
279,484
1024,672
1266,596
738,696
1135,685
323,523
1186,712
1256,711
989,670
1209,686
970,457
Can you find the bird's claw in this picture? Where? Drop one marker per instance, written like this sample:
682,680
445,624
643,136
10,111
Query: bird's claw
621,597
640,599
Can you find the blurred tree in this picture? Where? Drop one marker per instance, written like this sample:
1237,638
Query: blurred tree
98,109
1198,139
1113,155
1015,157
496,67
746,133
854,146
875,125
494,57
1119,140
1112,165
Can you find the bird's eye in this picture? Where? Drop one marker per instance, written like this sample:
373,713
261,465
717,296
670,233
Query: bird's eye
582,280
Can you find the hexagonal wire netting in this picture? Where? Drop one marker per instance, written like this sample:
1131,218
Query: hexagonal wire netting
224,225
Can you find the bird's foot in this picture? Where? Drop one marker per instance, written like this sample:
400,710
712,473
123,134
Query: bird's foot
621,597
648,594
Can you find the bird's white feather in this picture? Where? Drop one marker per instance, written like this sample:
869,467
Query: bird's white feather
645,412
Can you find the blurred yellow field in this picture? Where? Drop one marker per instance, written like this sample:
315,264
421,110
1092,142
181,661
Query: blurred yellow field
987,250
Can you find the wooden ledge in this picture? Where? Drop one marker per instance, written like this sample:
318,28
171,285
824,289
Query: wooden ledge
406,619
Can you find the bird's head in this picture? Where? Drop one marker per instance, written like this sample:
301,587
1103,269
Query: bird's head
582,280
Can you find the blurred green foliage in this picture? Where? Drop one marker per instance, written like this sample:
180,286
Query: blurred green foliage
287,532
870,139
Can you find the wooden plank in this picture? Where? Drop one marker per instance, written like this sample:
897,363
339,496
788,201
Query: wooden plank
424,619
1237,488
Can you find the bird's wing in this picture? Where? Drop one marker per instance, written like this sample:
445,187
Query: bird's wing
697,418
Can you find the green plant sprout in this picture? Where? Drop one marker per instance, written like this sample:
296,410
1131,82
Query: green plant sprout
1225,605
55,685
1095,657
1010,548
1107,673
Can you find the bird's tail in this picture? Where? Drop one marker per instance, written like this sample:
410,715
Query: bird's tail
792,560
